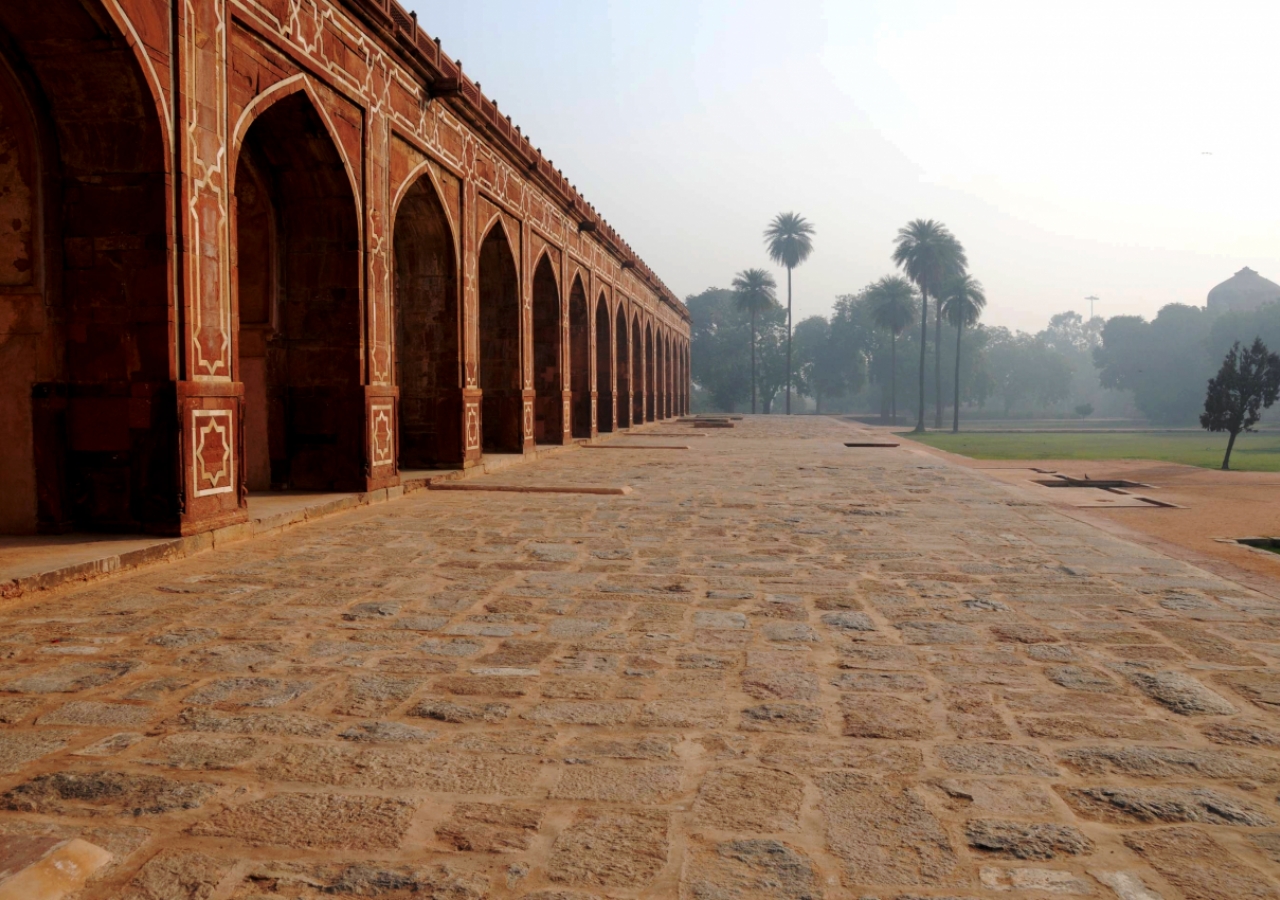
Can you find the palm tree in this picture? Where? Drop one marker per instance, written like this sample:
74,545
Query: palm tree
928,253
789,238
892,301
962,301
756,292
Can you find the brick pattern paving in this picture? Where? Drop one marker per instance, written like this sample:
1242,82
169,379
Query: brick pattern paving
780,668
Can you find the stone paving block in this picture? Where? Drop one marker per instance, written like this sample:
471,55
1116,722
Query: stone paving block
611,848
886,717
1200,867
1172,762
90,712
1020,840
260,693
1135,805
1180,693
313,821
749,800
178,875
105,793
374,695
884,833
17,748
400,768
646,785
70,678
490,828
752,869
571,712
201,751
994,759
692,713
766,684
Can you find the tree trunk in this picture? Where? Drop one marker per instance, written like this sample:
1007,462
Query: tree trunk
1226,460
753,360
937,362
924,351
893,377
788,340
955,415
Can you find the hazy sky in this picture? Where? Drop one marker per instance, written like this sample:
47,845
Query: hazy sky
1124,149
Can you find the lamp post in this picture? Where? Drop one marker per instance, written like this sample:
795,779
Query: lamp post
1091,302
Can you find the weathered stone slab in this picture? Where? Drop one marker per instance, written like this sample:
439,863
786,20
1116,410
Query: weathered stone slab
313,821
749,800
490,828
105,793
883,832
1198,866
611,848
618,784
761,869
1126,805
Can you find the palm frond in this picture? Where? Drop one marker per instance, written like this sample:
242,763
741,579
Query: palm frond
756,290
789,239
963,300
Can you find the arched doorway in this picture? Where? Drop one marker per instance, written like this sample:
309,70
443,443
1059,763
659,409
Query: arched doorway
548,403
651,376
579,361
604,367
298,300
684,380
427,331
87,400
660,352
637,373
502,403
622,362
671,377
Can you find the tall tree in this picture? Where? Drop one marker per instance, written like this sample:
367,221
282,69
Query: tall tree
962,302
790,241
756,292
822,368
1247,383
892,301
928,253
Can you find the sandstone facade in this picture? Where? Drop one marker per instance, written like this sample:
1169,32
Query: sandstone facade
248,244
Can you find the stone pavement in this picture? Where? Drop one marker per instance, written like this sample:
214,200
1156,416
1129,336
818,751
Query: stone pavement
779,668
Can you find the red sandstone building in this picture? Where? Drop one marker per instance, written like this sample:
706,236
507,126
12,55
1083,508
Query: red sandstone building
264,244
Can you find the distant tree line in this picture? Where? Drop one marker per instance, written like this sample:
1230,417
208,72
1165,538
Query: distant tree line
851,360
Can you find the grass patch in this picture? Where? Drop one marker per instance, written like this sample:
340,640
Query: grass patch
1258,452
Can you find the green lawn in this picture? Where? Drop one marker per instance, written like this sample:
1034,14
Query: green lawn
1253,453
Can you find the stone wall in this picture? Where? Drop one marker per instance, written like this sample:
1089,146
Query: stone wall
248,244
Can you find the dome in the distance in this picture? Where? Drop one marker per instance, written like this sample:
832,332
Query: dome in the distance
1244,291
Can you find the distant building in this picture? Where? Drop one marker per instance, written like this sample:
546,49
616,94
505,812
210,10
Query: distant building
1242,292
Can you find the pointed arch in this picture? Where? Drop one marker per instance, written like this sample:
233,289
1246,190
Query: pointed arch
548,381
298,300
499,325
605,366
428,328
638,382
87,275
622,366
579,360
424,171
265,101
651,374
661,373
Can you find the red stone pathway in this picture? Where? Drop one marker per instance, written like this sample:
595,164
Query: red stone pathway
779,668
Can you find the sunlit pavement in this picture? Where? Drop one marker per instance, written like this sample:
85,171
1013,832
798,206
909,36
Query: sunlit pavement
778,668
